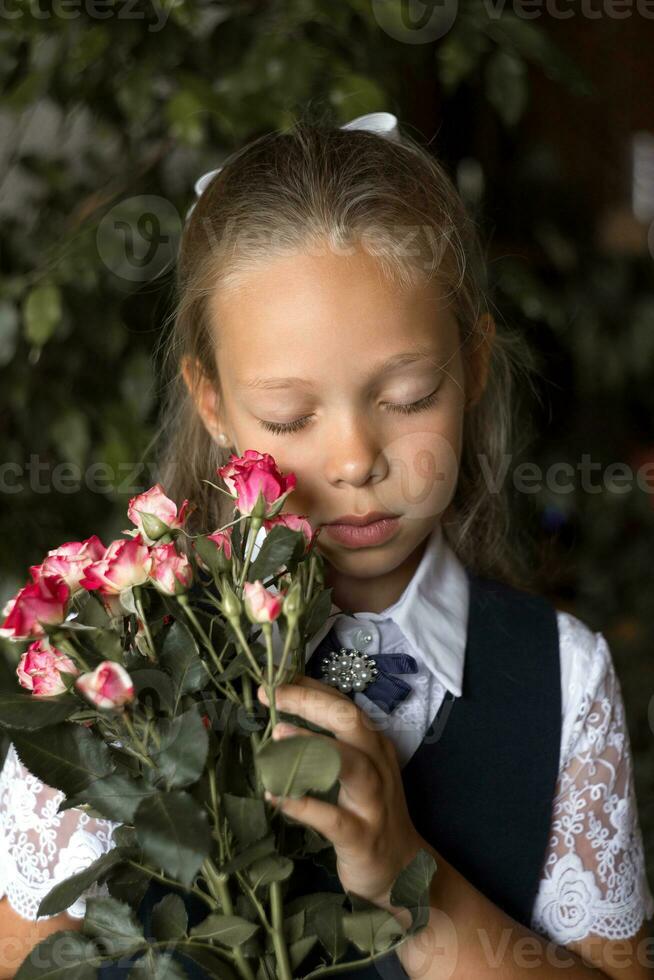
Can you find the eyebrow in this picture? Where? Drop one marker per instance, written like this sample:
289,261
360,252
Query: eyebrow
391,364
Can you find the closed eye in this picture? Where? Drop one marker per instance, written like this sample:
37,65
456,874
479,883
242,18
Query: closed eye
280,428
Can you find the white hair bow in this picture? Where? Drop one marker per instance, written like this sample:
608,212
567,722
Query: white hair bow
382,123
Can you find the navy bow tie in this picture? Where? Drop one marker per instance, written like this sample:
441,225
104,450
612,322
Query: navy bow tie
385,690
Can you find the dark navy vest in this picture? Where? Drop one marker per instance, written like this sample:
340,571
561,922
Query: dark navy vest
480,786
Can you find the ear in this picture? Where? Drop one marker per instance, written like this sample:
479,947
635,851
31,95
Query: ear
479,359
204,394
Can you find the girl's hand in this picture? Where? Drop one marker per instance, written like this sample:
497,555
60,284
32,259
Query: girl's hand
370,826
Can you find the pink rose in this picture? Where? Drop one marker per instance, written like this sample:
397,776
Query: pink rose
171,572
39,668
69,560
108,686
125,563
261,605
295,522
45,601
155,514
251,474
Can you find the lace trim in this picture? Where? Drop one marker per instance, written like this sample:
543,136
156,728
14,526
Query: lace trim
594,880
43,847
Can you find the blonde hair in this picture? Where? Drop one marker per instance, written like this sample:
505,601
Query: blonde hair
313,184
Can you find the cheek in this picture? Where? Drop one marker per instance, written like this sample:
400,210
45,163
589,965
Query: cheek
423,469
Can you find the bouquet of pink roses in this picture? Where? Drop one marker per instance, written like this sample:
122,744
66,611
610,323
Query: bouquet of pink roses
133,649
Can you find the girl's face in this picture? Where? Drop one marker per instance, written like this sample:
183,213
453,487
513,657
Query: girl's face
357,386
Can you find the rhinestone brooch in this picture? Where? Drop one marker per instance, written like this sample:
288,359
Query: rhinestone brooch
349,670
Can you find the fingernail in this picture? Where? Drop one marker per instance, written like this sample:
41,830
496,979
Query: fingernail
282,728
261,694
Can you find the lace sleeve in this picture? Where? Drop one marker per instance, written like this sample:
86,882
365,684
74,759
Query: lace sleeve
40,847
594,880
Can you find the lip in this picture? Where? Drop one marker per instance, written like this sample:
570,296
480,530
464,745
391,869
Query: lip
363,535
359,521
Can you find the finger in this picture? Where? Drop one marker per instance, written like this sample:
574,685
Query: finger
361,783
342,827
327,708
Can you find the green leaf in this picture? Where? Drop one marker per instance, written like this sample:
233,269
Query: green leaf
68,891
250,854
174,832
328,926
354,94
157,966
186,116
154,687
281,547
181,659
317,612
27,712
246,816
183,749
63,955
169,918
298,764
272,867
372,930
66,756
411,888
128,884
71,435
114,923
230,930
507,86
209,959
41,314
298,950
8,331
116,796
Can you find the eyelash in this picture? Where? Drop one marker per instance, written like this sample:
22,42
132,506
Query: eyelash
283,428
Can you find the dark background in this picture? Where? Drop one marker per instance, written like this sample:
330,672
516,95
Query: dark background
107,119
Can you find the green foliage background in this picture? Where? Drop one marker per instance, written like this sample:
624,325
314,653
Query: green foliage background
108,117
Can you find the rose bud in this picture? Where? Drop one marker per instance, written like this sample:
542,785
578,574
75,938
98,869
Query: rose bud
171,572
155,514
108,686
39,669
261,605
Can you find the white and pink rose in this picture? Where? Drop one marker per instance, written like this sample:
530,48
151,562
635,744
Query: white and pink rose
39,669
108,686
36,604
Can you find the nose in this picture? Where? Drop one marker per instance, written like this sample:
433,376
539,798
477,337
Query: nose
354,454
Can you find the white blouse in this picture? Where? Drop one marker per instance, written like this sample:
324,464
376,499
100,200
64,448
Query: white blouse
593,879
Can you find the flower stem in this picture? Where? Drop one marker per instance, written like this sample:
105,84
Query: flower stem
276,899
139,608
169,881
218,885
140,751
253,530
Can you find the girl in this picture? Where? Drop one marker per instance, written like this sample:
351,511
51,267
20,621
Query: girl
331,312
